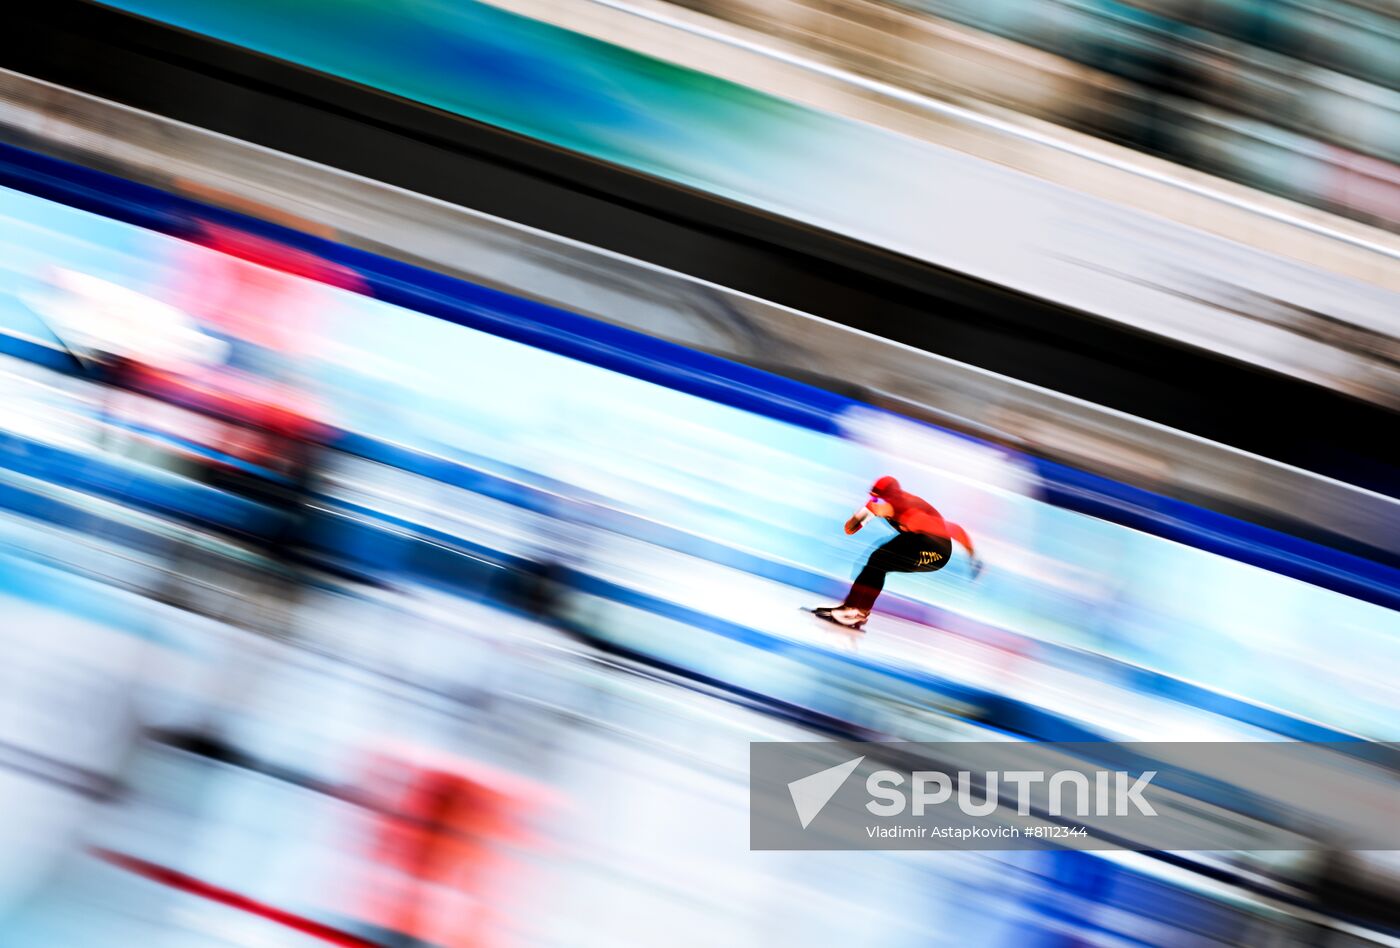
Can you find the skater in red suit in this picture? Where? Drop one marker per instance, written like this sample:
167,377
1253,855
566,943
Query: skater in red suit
923,543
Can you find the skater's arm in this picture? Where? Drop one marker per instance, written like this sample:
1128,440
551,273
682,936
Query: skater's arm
874,508
958,535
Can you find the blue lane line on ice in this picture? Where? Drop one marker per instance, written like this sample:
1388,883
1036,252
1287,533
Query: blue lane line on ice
1219,533
149,490
377,540
686,370
200,504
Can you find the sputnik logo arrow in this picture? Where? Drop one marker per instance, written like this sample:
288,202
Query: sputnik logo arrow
812,793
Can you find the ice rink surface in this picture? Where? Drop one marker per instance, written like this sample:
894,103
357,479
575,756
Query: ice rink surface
635,829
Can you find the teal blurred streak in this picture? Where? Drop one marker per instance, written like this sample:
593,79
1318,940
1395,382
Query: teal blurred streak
516,73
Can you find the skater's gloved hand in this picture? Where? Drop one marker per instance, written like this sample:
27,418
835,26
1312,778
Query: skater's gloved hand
977,565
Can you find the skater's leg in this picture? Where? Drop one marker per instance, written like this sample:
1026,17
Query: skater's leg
868,584
906,553
896,555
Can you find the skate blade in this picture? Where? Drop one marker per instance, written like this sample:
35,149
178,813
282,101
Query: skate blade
831,620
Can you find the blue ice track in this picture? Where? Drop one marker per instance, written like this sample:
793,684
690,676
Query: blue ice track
674,366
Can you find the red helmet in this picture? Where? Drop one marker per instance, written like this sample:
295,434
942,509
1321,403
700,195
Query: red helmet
885,485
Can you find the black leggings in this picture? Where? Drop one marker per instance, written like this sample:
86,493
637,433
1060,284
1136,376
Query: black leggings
905,553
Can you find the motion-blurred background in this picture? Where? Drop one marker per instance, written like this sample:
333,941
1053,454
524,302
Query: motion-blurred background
422,421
